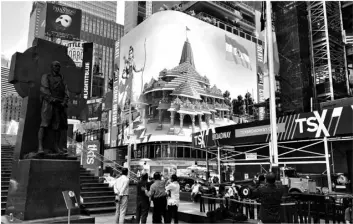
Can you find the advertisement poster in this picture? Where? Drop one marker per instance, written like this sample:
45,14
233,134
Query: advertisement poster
89,157
175,74
63,22
75,51
87,69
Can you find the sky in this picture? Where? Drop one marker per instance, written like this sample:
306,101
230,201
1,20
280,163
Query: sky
15,23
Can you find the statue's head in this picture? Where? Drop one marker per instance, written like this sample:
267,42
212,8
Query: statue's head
55,66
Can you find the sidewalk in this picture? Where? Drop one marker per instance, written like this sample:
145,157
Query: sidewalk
110,218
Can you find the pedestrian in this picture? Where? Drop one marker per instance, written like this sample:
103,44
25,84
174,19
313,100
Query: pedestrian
261,181
121,189
173,199
158,195
270,197
142,200
232,191
195,191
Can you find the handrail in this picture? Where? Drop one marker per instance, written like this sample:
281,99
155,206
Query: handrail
101,158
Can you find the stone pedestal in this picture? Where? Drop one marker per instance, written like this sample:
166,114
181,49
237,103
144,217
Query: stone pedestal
40,186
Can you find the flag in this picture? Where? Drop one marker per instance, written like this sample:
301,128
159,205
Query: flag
263,37
237,53
187,29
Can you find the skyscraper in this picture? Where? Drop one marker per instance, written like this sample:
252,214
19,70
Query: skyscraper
97,25
135,13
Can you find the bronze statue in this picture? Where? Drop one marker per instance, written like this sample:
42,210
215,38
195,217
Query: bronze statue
54,100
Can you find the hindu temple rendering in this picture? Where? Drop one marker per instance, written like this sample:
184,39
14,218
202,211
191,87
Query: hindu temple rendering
172,107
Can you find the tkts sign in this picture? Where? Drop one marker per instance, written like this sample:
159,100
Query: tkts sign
317,124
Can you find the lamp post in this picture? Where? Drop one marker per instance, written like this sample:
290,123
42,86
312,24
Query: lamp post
273,119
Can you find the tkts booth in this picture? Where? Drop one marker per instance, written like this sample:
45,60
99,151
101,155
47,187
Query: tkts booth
314,142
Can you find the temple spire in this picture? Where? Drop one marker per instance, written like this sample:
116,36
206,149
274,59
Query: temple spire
186,54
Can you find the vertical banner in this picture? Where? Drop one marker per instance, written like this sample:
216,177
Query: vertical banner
115,114
87,69
89,156
260,78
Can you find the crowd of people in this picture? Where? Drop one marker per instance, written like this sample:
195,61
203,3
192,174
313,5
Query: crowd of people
163,193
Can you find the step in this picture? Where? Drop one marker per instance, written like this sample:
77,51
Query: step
97,199
88,181
4,192
84,185
95,194
3,204
101,210
3,210
5,175
98,204
3,179
89,189
86,175
4,188
89,178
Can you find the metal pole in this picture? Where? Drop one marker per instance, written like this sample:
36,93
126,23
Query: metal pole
328,165
207,166
68,216
272,85
333,162
219,164
130,135
328,51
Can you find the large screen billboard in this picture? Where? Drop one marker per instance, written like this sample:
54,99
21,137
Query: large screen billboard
173,55
63,22
75,51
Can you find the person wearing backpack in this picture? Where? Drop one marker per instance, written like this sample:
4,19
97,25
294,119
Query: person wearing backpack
348,215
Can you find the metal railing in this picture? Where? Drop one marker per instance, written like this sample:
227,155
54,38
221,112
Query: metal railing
78,148
309,210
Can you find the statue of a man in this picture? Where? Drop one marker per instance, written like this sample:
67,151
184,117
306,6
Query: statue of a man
54,99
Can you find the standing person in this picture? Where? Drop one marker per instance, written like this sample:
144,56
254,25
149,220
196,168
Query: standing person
232,191
121,189
143,201
159,198
270,197
174,199
195,189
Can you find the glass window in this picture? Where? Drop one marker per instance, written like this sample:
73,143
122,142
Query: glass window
187,152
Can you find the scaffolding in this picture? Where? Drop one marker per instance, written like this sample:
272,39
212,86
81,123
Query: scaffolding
291,24
327,51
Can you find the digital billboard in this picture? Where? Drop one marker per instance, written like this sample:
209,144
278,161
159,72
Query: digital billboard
75,51
87,69
175,57
63,22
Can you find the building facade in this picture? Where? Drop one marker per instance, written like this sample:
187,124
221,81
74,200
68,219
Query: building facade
6,87
11,104
292,28
98,26
241,15
135,13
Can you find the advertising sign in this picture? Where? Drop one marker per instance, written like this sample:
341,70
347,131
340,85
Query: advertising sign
89,157
75,51
87,69
94,109
70,200
63,22
317,124
250,156
177,59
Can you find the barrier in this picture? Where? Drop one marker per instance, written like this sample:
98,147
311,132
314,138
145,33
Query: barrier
305,209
